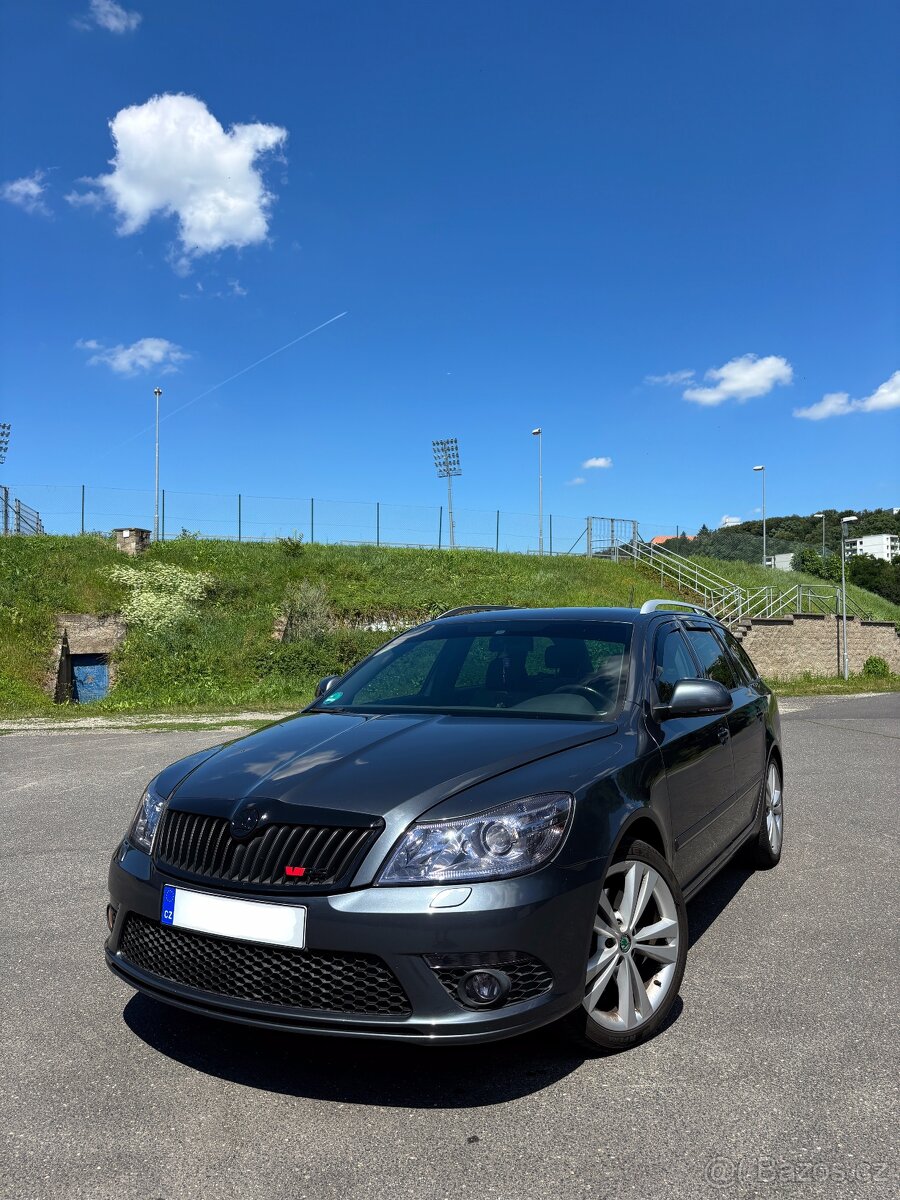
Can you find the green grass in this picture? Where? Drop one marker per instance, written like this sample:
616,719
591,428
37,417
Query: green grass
223,658
834,685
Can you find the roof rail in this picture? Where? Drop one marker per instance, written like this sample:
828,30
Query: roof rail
474,608
650,606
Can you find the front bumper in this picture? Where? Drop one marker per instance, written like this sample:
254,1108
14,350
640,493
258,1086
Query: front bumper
547,915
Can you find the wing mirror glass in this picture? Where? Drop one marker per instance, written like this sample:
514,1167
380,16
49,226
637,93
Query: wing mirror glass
696,698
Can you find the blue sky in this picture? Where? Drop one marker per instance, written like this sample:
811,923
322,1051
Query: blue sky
526,211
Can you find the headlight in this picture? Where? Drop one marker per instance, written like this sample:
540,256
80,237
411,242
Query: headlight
503,841
146,818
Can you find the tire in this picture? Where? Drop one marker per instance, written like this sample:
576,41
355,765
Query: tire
629,991
765,848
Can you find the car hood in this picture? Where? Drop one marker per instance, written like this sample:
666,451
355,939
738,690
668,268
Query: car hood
346,768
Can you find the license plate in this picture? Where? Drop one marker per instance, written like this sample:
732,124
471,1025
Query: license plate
227,916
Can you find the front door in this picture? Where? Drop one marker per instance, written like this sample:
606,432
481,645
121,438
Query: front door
697,756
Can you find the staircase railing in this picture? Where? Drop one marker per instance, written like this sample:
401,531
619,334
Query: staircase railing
16,517
727,601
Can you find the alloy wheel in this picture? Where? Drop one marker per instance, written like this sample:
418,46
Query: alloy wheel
634,951
774,809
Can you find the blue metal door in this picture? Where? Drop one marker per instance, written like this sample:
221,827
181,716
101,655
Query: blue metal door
90,677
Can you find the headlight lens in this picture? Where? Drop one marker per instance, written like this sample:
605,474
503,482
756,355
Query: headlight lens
503,841
146,818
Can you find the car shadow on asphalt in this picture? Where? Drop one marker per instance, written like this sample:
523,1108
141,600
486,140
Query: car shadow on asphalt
352,1071
714,899
389,1074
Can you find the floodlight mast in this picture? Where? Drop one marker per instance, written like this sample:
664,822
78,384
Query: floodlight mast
446,461
5,428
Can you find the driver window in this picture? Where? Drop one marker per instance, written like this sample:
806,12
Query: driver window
673,662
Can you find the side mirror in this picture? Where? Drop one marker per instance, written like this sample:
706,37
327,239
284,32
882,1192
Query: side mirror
324,686
696,698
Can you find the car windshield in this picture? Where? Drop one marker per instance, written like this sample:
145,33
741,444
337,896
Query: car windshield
542,668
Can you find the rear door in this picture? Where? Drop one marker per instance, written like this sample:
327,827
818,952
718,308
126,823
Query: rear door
746,723
697,756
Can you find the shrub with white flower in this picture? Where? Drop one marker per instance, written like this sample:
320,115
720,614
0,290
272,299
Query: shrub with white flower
161,594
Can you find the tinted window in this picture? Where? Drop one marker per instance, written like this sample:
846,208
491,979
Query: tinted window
673,662
551,668
713,658
745,663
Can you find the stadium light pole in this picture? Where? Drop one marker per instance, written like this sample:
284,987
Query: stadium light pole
846,660
539,434
763,469
822,515
446,461
5,428
157,392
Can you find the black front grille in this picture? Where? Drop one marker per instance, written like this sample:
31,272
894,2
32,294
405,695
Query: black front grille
311,979
194,844
528,976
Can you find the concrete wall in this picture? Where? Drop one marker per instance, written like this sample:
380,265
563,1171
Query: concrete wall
81,633
790,646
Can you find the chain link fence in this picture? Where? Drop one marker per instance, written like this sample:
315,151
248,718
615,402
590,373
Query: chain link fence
77,508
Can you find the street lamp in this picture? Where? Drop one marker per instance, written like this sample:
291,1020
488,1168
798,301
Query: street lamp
157,392
5,427
763,469
446,460
822,515
845,521
539,434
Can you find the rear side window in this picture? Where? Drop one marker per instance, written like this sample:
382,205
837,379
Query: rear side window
712,656
673,662
745,663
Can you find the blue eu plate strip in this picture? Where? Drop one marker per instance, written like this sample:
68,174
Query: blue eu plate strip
168,906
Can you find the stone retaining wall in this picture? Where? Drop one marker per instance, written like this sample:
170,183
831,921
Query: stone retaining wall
787,647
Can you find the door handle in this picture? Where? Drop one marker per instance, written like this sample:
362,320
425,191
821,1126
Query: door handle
723,733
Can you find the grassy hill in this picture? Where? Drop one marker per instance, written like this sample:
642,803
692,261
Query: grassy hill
220,655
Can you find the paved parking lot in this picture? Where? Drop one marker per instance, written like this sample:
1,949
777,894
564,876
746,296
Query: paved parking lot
776,1075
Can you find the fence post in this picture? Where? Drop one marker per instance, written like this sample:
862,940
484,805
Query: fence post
17,516
589,533
497,537
239,516
551,535
312,520
162,527
82,508
5,491
440,524
377,522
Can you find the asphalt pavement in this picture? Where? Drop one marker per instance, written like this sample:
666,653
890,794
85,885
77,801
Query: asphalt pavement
776,1075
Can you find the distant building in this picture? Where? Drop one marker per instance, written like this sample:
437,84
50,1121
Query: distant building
878,545
781,562
662,538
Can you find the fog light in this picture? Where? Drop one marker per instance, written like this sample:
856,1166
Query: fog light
110,917
483,989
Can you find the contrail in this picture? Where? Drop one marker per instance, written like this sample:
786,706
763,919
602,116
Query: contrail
231,378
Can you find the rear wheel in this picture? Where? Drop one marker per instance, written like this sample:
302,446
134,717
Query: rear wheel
765,849
637,954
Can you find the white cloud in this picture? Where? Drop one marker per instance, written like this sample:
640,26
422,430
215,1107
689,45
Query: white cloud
671,378
576,482
235,288
726,521
600,463
741,379
174,158
108,15
839,404
27,193
139,356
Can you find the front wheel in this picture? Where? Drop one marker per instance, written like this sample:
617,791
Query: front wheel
637,954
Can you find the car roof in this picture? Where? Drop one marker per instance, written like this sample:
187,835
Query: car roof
491,615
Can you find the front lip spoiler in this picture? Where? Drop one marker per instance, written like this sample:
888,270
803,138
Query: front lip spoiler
328,1024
